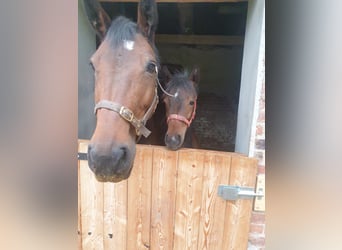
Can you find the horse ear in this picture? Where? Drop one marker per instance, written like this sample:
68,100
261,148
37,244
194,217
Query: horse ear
98,18
148,18
195,76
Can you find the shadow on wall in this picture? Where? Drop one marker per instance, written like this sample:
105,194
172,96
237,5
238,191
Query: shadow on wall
86,47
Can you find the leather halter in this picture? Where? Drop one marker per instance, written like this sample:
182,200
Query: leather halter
182,118
129,116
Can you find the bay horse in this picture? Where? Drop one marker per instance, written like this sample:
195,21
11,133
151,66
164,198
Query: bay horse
126,66
157,124
171,123
180,100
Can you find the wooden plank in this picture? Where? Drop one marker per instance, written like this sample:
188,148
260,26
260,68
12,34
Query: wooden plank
163,198
259,202
188,199
91,209
139,200
115,215
216,172
179,1
108,215
165,207
238,213
199,39
79,207
103,212
83,146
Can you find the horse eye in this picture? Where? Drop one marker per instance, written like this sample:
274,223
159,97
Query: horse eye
151,68
191,103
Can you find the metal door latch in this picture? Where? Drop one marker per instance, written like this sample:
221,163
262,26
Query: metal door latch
232,193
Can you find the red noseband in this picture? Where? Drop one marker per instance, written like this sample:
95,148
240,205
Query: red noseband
182,118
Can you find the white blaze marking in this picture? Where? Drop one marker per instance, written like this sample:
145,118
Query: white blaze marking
129,45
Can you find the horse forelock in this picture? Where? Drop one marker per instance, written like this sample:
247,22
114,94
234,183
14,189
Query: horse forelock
122,32
180,80
122,29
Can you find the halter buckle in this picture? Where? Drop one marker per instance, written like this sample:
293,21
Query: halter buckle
126,113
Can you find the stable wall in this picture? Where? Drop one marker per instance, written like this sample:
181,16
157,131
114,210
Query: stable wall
86,47
220,67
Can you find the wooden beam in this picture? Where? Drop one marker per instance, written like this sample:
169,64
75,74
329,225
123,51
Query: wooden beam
179,1
199,39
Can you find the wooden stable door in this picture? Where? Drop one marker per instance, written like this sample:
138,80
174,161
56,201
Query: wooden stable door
170,201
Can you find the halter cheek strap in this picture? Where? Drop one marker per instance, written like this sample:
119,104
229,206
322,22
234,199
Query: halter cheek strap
182,118
129,116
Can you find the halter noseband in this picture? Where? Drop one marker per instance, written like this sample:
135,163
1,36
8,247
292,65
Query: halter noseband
182,118
129,116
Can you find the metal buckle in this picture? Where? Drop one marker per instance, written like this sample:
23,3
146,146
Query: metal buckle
126,113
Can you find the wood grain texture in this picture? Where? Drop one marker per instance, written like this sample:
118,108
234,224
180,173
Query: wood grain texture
139,200
79,207
163,198
188,199
169,202
91,209
108,215
237,214
118,214
216,172
115,215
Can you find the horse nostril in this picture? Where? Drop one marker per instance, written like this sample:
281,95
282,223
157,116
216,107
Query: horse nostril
173,141
124,150
176,139
91,157
119,153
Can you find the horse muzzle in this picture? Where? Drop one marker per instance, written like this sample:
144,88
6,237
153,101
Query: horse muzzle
111,163
174,141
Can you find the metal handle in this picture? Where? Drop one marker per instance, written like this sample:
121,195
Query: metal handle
233,193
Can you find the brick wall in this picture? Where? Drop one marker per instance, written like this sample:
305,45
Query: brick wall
257,226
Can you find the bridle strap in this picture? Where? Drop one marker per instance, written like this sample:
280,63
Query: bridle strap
182,118
129,116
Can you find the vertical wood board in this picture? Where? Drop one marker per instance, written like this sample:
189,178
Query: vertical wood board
188,199
139,201
91,209
163,198
216,172
237,213
170,201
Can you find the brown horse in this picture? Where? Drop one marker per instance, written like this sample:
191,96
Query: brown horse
180,104
172,77
125,67
157,124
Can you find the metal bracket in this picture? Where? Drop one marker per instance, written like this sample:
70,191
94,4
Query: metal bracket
232,193
82,156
